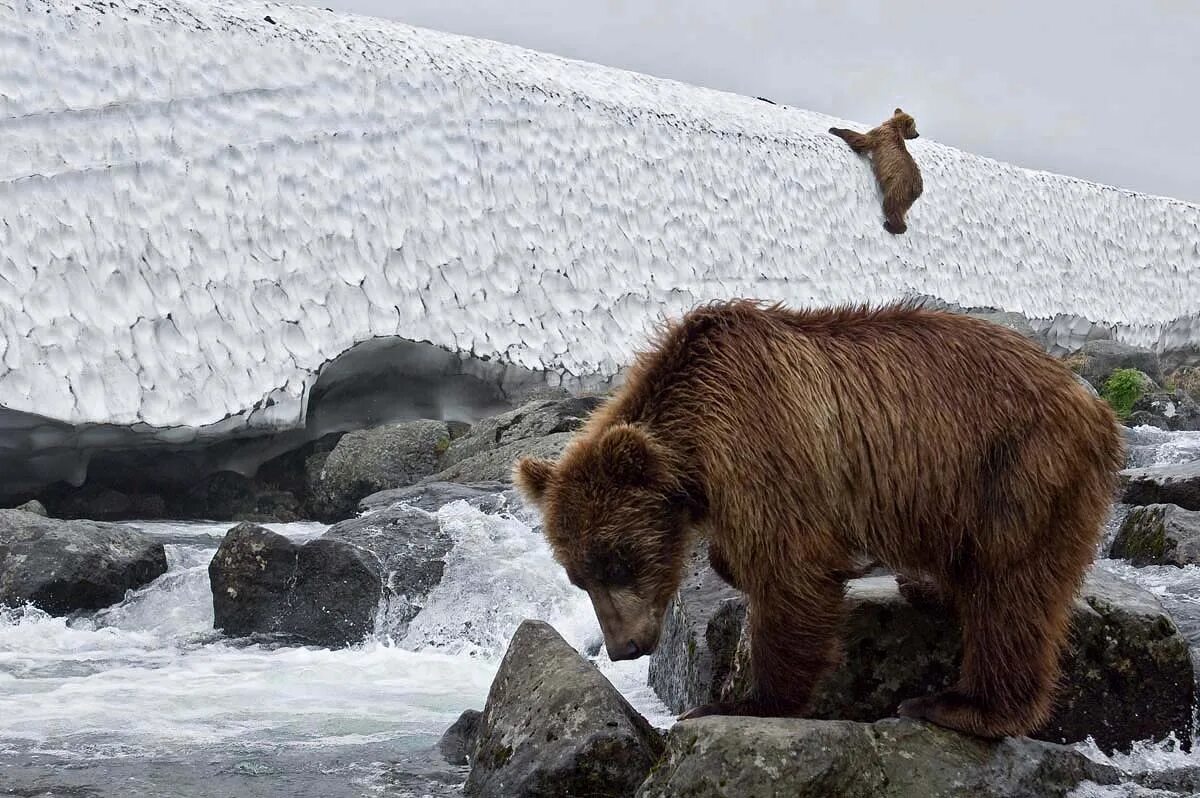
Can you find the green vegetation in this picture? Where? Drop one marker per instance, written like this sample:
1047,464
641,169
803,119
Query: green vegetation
1123,389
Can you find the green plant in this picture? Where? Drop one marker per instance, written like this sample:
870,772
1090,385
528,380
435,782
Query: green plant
1122,390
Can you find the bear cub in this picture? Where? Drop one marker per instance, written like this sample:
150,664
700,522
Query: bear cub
898,175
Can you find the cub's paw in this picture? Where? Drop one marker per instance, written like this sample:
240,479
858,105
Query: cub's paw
895,229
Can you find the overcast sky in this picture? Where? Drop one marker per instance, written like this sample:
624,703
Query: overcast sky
1108,90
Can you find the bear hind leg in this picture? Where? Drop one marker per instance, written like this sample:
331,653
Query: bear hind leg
1015,625
893,212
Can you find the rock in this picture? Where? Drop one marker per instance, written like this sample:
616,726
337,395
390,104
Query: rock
1159,534
409,549
34,506
497,464
458,741
1128,675
1095,361
554,726
1088,386
1186,379
368,461
700,635
297,471
751,757
536,419
1174,411
223,496
486,496
325,592
64,566
1167,484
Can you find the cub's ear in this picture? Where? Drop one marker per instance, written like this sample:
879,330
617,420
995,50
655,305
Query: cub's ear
629,455
898,111
533,475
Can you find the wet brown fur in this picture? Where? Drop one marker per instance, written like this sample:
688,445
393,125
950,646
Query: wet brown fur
898,175
951,449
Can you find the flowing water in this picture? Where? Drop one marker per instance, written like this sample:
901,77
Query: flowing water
145,699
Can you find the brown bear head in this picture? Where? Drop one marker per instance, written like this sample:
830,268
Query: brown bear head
905,124
616,518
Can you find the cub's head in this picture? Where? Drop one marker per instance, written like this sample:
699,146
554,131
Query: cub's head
905,124
615,514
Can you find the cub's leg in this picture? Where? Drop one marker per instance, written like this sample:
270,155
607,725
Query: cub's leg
857,141
794,627
893,211
717,561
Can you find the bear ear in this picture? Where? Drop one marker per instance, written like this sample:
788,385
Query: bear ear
629,456
898,112
533,475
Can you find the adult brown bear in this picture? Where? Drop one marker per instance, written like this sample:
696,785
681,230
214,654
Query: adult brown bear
951,449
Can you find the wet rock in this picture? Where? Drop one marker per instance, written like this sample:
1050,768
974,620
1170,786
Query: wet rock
1159,534
368,461
457,743
486,496
722,756
409,549
1168,410
324,593
554,726
1095,361
64,566
1168,484
329,591
1127,676
223,496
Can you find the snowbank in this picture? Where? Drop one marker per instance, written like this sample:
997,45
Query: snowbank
201,206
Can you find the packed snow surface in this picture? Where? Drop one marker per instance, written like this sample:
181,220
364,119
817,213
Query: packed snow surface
201,206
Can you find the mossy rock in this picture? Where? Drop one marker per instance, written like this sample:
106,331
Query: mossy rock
1159,534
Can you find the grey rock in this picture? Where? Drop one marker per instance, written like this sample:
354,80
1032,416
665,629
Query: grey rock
65,566
368,461
34,506
1168,484
497,464
409,549
537,419
1127,676
1159,534
430,496
762,758
554,726
325,592
1168,410
458,741
329,591
1095,361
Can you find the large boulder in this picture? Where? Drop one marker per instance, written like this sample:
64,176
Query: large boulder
322,593
757,758
554,726
368,461
1128,675
1095,361
65,566
1159,534
458,742
1166,484
328,591
541,428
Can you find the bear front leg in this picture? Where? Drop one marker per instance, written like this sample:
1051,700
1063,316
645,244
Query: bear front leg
720,565
857,141
794,633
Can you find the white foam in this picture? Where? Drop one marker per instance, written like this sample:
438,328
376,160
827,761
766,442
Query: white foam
202,207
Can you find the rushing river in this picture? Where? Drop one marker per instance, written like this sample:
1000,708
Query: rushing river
145,699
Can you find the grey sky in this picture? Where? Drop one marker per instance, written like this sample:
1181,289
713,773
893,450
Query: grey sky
1107,90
